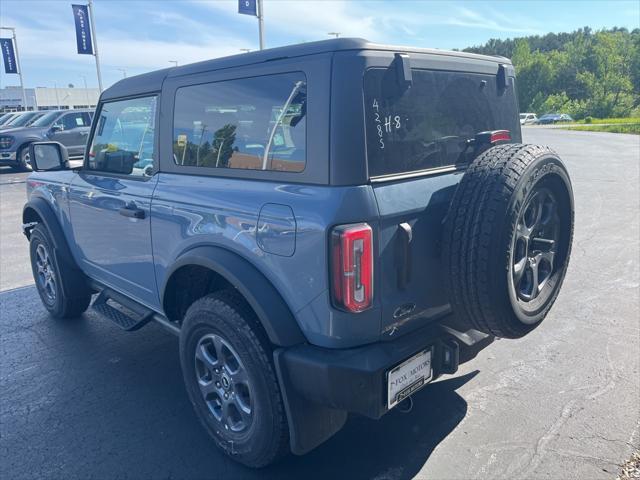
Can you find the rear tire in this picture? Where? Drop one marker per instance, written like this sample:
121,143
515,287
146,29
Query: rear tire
507,239
53,279
230,378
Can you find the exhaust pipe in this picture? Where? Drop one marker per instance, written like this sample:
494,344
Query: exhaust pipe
406,405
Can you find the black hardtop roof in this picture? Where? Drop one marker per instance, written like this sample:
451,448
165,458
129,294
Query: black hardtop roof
152,81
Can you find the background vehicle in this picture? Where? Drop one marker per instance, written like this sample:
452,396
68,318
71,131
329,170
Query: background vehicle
22,120
7,117
528,118
307,279
69,127
550,118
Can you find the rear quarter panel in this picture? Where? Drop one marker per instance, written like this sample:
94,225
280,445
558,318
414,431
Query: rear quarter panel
225,212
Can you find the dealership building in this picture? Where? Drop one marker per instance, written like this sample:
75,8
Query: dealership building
47,98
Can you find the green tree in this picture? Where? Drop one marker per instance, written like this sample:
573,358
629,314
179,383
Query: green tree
581,73
609,85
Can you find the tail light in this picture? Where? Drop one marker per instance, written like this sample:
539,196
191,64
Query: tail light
492,137
352,267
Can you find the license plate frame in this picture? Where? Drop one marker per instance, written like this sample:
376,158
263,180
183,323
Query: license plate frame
403,381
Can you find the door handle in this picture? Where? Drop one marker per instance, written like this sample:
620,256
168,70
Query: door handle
84,134
132,211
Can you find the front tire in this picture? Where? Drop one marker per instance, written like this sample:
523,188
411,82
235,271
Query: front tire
231,381
52,279
24,162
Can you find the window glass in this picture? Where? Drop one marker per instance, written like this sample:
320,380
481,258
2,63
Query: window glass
69,121
124,137
251,123
22,119
46,120
430,123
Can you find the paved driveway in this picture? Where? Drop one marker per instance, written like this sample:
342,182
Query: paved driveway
85,400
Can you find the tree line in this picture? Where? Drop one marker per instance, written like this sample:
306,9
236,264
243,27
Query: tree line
582,73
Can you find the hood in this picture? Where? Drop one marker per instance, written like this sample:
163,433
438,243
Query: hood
26,132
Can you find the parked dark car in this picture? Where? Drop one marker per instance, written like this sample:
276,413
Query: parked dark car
22,120
551,118
328,227
69,127
7,117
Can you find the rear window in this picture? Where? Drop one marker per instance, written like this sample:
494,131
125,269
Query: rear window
254,123
428,125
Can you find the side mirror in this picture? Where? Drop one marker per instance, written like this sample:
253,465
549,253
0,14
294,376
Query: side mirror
48,156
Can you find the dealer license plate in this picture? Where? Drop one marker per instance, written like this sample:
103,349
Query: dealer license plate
408,377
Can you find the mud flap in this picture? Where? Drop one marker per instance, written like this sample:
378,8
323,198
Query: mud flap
310,424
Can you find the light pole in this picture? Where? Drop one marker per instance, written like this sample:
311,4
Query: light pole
55,85
15,47
175,62
86,90
95,44
124,72
335,34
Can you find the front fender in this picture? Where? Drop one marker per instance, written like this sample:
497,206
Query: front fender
272,311
21,142
38,210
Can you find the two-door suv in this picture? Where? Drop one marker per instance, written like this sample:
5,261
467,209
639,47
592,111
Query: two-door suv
328,227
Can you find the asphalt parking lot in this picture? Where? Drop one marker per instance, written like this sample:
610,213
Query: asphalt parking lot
84,400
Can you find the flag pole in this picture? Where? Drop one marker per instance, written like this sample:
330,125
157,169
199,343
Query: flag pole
261,24
17,54
15,46
95,44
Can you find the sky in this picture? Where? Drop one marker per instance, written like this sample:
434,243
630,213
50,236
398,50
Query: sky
141,36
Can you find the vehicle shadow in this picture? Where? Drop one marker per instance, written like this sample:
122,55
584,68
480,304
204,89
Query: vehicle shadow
394,447
117,408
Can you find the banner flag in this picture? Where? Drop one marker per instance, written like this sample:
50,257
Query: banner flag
8,55
247,7
83,29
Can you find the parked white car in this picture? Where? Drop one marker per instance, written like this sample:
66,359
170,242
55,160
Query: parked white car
528,118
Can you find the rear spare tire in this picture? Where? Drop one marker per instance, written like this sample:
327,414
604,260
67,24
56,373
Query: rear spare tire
507,239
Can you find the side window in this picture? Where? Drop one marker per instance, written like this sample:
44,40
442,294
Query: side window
254,123
69,121
124,140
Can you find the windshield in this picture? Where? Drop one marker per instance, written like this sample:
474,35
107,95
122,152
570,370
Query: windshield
46,120
523,116
429,125
22,120
34,118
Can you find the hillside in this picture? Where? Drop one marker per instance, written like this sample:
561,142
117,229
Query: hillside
582,73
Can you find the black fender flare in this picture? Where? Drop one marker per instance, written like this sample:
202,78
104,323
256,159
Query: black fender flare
77,284
42,208
272,311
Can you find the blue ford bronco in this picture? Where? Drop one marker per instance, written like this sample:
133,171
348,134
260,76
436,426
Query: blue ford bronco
327,227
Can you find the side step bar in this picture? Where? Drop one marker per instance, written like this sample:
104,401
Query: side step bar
128,314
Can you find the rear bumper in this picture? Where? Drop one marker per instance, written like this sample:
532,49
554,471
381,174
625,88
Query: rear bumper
354,379
329,383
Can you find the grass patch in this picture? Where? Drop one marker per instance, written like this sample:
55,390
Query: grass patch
632,129
596,121
631,469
